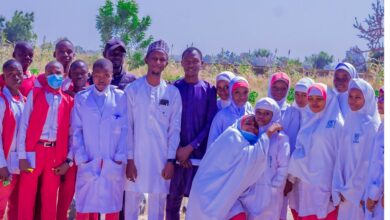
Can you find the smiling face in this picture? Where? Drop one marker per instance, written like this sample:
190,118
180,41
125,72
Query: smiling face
279,90
263,117
355,99
341,80
191,63
24,53
240,96
64,52
78,73
156,61
316,103
250,125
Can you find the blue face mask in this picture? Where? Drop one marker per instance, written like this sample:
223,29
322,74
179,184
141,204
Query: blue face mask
251,138
54,81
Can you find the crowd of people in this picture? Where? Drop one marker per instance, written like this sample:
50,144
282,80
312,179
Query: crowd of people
105,139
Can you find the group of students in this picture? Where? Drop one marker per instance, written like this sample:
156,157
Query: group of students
107,138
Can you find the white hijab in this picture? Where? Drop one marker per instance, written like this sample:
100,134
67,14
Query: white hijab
302,86
316,145
239,110
224,76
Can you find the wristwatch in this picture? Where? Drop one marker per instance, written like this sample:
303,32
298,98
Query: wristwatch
173,161
69,162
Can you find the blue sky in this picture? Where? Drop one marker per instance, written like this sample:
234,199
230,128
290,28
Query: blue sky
302,26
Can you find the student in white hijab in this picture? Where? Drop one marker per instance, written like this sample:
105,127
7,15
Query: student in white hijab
235,161
239,106
311,164
344,72
356,144
375,186
265,199
278,88
222,83
300,100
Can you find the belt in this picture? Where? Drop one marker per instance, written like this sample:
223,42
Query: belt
47,143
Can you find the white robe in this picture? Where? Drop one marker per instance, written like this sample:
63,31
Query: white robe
375,186
224,175
266,198
154,132
311,164
353,158
99,139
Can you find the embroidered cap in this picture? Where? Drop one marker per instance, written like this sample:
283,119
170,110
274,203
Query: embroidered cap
159,45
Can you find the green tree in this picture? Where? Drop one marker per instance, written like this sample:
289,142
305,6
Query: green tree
319,61
20,27
122,21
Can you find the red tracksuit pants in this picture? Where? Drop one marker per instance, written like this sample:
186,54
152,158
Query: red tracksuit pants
28,185
65,193
9,197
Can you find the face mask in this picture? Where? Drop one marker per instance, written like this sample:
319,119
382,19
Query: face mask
54,81
251,138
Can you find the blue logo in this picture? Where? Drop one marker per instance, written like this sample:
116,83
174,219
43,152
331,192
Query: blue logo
356,137
331,124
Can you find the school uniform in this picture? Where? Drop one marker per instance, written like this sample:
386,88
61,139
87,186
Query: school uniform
352,162
11,109
27,83
98,140
44,130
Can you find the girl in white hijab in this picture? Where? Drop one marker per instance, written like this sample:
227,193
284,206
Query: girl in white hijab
356,144
311,164
239,106
344,72
222,83
375,185
300,100
232,163
265,199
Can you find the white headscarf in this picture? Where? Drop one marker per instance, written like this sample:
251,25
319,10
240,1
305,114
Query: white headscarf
277,77
269,104
349,68
224,76
302,86
316,144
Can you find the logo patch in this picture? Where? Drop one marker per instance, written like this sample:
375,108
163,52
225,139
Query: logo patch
356,137
331,124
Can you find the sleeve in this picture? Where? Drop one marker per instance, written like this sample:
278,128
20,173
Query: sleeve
211,111
337,180
130,123
21,137
121,153
174,125
70,140
216,128
78,145
3,161
376,174
283,157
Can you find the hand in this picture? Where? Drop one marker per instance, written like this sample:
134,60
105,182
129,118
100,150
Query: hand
183,153
186,164
4,174
361,203
275,127
131,170
370,204
24,166
61,169
342,198
383,201
288,187
167,172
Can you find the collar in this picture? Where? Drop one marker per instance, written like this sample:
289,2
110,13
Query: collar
9,96
101,93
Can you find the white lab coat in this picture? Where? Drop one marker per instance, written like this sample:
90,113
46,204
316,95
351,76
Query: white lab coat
311,164
353,158
230,166
154,132
375,186
98,140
